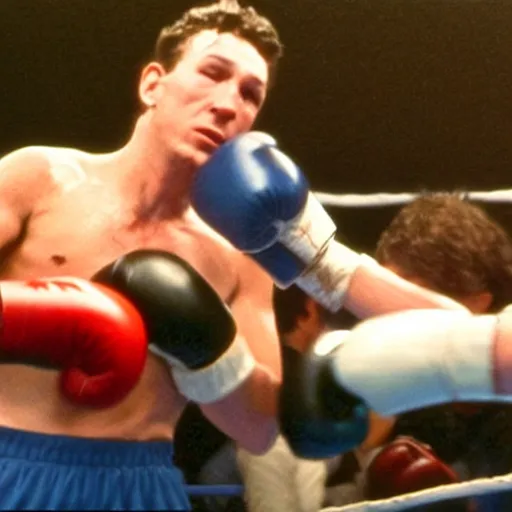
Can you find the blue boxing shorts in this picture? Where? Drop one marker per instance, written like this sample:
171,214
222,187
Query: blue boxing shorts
48,472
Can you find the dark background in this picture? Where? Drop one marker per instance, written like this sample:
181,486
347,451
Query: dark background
382,95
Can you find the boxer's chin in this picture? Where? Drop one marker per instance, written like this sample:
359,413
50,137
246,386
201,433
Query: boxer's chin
191,156
203,152
201,157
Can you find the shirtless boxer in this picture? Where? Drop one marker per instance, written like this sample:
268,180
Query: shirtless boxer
67,212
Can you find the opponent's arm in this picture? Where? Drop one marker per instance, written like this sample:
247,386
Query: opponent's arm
400,362
416,358
257,198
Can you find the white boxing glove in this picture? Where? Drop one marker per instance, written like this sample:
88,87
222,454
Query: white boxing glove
413,359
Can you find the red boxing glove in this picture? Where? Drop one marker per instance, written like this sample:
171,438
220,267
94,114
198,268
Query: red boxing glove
92,333
404,466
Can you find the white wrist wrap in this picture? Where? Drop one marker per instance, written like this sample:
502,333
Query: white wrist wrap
215,381
416,358
328,279
307,234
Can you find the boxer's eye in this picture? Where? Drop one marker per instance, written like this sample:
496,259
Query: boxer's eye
252,95
214,72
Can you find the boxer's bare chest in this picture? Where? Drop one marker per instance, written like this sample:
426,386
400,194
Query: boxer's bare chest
77,234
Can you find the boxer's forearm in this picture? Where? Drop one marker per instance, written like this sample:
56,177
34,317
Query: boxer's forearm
341,277
248,414
375,290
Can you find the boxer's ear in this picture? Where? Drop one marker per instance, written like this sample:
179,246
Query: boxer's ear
149,82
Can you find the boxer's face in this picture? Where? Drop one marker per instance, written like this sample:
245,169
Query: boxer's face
213,93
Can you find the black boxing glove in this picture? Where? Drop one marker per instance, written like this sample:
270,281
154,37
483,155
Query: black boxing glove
187,323
317,417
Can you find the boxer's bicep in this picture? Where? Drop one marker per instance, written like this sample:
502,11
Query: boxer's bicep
248,414
252,309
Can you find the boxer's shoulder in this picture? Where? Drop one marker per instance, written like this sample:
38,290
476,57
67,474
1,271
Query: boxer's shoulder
26,165
70,167
44,167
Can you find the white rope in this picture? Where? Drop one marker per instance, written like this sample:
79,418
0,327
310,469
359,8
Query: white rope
469,489
390,198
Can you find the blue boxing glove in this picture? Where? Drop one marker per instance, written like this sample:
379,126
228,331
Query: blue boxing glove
258,199
318,417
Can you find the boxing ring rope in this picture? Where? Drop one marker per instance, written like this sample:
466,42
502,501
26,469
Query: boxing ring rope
467,489
391,199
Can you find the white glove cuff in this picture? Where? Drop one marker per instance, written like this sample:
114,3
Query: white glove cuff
308,233
329,278
217,380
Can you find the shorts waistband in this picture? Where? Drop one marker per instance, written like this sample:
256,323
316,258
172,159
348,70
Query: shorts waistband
80,451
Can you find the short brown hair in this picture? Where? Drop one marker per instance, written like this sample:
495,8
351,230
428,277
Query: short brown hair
290,304
451,244
224,16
